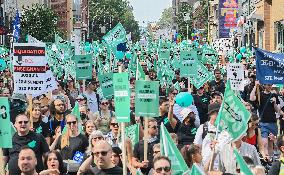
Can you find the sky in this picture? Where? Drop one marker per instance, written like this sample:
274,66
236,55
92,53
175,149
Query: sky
149,10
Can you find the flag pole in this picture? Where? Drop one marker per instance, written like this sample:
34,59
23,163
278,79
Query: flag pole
124,162
2,168
146,122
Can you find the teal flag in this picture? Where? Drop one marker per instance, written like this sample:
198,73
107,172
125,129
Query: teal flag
84,67
195,170
106,83
201,76
5,129
76,112
115,36
187,63
132,132
242,164
147,98
233,115
121,97
140,72
169,149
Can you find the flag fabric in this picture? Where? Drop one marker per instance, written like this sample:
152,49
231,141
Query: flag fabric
32,39
140,74
115,36
76,112
242,164
233,115
132,132
17,26
169,149
195,170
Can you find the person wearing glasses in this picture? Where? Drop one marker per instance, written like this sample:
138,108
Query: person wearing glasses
24,137
162,165
92,96
72,141
112,136
138,153
102,157
103,116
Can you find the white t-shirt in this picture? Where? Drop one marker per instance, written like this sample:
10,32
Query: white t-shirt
92,101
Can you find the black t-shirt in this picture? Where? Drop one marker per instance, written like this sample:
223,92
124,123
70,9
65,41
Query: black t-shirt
186,134
111,171
35,141
139,154
53,123
217,86
164,119
42,128
201,103
266,108
79,143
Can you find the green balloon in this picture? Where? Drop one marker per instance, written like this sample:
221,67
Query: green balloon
243,50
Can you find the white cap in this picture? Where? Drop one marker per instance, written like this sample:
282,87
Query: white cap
184,113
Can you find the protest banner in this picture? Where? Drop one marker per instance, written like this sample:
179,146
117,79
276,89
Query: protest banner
106,83
242,164
29,68
84,66
5,129
188,62
132,132
235,73
169,149
121,97
201,75
147,98
233,115
269,67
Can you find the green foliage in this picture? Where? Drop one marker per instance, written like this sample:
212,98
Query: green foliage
40,22
166,19
108,13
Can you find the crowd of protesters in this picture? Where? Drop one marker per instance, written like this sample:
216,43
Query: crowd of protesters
39,147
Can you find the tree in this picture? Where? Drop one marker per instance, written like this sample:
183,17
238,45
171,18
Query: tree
40,22
107,13
182,24
166,19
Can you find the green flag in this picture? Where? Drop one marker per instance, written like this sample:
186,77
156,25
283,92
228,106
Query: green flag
195,170
233,115
132,132
5,130
76,112
115,36
140,72
242,164
169,149
201,76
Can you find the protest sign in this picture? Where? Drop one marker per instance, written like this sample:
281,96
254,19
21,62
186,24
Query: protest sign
233,115
29,68
132,132
147,98
121,97
51,83
201,75
209,56
5,129
169,149
164,51
188,62
84,65
235,73
106,83
115,36
269,67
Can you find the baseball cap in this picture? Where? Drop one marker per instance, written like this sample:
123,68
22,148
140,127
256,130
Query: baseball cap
213,107
17,96
184,113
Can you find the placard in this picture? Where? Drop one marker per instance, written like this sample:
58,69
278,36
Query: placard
188,62
5,129
106,84
84,69
235,73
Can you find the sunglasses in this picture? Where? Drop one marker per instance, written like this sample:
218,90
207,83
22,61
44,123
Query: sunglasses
114,124
59,105
97,138
154,127
156,152
103,153
23,122
104,103
72,122
160,169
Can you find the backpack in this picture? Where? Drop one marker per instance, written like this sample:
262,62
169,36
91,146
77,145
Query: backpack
205,130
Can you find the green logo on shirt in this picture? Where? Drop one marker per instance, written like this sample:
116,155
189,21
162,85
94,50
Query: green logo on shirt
32,144
39,130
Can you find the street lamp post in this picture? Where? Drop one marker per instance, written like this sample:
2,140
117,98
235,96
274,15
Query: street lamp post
186,19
